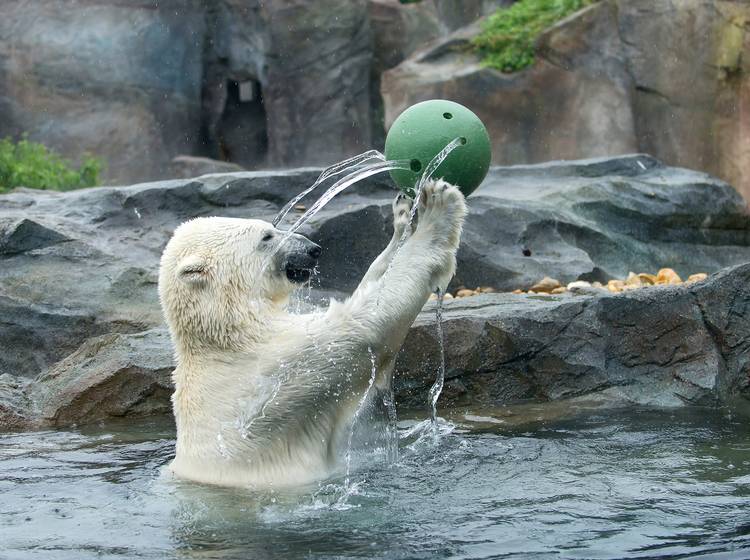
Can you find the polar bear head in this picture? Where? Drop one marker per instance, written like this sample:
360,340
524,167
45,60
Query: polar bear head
220,277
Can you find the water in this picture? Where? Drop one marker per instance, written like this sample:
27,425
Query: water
638,484
437,387
331,171
349,489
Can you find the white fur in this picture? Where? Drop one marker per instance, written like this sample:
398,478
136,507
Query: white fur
263,397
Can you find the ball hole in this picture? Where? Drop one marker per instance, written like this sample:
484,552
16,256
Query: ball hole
447,116
415,165
463,140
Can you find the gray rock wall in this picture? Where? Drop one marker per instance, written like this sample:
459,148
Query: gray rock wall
119,80
663,77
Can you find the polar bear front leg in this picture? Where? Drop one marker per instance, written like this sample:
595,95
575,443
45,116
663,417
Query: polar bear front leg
402,229
424,263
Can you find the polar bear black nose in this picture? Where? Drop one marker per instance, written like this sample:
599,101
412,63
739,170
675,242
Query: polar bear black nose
314,251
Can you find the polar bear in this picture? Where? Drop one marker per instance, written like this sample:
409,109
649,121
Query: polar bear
262,396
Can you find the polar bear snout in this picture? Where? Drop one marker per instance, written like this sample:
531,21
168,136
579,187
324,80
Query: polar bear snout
299,258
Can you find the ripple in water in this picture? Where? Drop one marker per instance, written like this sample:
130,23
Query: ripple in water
641,484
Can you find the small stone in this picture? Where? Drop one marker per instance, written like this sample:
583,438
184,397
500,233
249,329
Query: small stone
633,280
615,286
300,208
448,295
698,277
486,290
464,293
560,290
518,292
545,285
647,279
597,285
433,297
668,276
579,285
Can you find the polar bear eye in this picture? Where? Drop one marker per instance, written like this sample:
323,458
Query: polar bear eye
267,237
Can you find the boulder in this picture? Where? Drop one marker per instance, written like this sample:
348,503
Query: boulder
662,346
78,270
119,80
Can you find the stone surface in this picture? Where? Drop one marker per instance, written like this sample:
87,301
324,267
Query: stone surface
121,80
620,76
574,102
311,61
185,167
78,269
666,346
663,346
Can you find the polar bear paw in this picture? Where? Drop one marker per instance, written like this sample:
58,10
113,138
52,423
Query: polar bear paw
402,218
442,209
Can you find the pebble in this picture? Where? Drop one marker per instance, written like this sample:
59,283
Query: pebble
560,290
545,285
300,208
699,277
668,276
465,292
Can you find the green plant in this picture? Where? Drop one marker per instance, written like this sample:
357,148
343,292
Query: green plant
29,164
508,36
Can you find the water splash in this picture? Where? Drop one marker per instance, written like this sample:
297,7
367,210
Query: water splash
391,427
331,171
349,488
437,387
345,182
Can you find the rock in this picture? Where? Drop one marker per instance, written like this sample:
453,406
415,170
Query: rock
580,80
74,78
666,346
15,408
619,76
186,167
699,277
559,290
464,293
78,269
647,279
668,276
545,285
616,286
108,376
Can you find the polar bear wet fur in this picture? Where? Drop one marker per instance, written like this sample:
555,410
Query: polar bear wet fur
262,396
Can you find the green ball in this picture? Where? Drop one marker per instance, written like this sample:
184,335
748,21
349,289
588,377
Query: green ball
422,130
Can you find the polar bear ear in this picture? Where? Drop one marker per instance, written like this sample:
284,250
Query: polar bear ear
193,270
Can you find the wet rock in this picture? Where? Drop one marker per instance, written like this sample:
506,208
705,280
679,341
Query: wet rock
82,265
666,346
108,376
22,235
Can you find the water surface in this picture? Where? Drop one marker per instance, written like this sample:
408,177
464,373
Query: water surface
637,484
